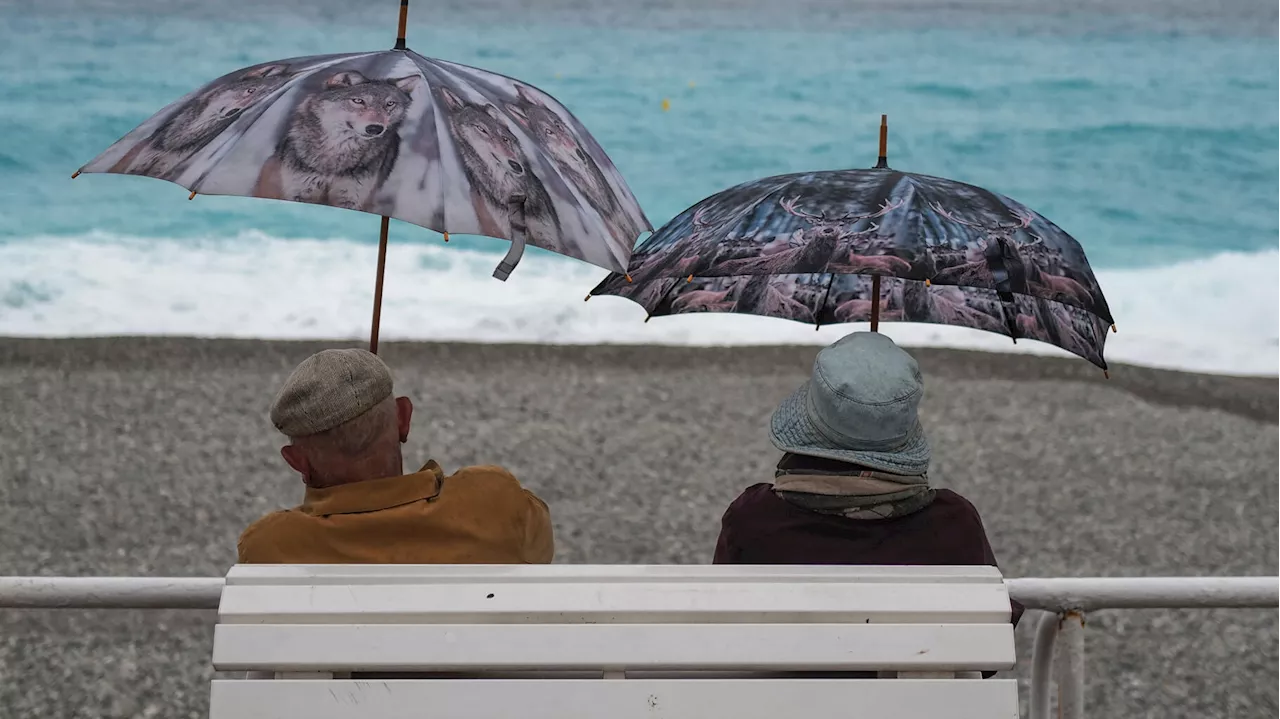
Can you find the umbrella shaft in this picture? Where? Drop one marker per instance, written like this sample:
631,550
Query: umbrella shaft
875,303
377,289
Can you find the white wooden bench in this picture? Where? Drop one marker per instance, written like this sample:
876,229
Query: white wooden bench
612,642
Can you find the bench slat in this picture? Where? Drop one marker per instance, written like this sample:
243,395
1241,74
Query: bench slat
483,602
804,647
317,574
614,699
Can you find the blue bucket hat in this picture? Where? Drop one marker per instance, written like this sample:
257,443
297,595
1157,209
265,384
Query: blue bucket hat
859,406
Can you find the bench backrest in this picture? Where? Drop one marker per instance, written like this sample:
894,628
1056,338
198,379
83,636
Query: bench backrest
568,641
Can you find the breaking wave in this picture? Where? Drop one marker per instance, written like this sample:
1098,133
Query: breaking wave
1217,314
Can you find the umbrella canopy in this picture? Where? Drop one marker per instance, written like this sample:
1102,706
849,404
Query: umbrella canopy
441,145
445,146
815,246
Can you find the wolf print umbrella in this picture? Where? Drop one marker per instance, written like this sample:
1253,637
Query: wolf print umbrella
815,246
441,145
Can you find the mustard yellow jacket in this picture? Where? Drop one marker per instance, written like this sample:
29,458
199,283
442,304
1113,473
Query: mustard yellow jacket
478,515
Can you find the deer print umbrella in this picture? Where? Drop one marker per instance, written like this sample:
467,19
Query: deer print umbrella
396,134
872,245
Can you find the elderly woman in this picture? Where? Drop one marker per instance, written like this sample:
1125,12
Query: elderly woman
852,485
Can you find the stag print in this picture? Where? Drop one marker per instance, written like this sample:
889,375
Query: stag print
805,247
991,252
812,248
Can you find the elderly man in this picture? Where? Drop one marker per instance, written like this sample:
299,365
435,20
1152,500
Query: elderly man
852,485
345,429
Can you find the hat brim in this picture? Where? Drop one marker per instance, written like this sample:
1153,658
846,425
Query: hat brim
791,430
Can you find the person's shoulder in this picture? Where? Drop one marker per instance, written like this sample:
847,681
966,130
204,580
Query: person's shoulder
267,524
490,479
956,506
497,487
964,526
950,498
752,498
488,474
265,533
755,492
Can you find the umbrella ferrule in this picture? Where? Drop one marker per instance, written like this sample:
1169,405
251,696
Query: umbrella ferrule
404,21
882,163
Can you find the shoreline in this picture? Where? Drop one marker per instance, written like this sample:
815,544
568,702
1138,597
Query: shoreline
1255,397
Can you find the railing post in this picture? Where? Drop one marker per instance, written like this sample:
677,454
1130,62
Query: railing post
1042,664
1071,668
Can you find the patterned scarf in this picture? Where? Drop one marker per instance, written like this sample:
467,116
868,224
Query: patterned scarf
847,490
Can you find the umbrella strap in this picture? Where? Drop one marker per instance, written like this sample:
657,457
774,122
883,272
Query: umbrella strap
515,212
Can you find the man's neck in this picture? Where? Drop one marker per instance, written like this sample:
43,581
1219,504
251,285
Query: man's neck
357,473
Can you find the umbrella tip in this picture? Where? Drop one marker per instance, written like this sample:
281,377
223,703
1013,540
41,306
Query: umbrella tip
1106,374
647,318
588,297
628,276
192,196
688,279
927,283
446,237
75,174
1113,329
404,20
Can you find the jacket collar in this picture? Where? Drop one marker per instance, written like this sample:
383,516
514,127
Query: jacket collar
375,494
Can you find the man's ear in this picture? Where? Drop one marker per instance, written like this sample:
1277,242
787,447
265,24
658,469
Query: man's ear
298,460
404,414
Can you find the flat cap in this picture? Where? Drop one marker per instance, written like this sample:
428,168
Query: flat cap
329,388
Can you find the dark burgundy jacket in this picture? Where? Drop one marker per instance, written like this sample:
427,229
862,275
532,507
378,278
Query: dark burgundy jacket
762,528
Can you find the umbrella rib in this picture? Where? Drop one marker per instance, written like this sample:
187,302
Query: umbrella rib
442,202
548,166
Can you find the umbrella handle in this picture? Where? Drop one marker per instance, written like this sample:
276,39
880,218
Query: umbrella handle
515,211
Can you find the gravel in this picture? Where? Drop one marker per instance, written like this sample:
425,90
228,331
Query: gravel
148,456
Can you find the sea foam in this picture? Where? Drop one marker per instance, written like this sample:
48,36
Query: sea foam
1215,315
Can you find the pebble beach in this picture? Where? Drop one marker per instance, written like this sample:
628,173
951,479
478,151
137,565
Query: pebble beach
147,456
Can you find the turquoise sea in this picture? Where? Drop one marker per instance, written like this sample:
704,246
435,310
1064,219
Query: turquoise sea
1148,132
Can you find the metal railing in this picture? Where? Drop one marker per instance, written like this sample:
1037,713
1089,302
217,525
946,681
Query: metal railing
1064,601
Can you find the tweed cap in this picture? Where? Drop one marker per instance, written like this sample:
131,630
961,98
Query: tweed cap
329,388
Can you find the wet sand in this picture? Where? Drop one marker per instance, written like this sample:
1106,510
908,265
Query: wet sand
148,456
